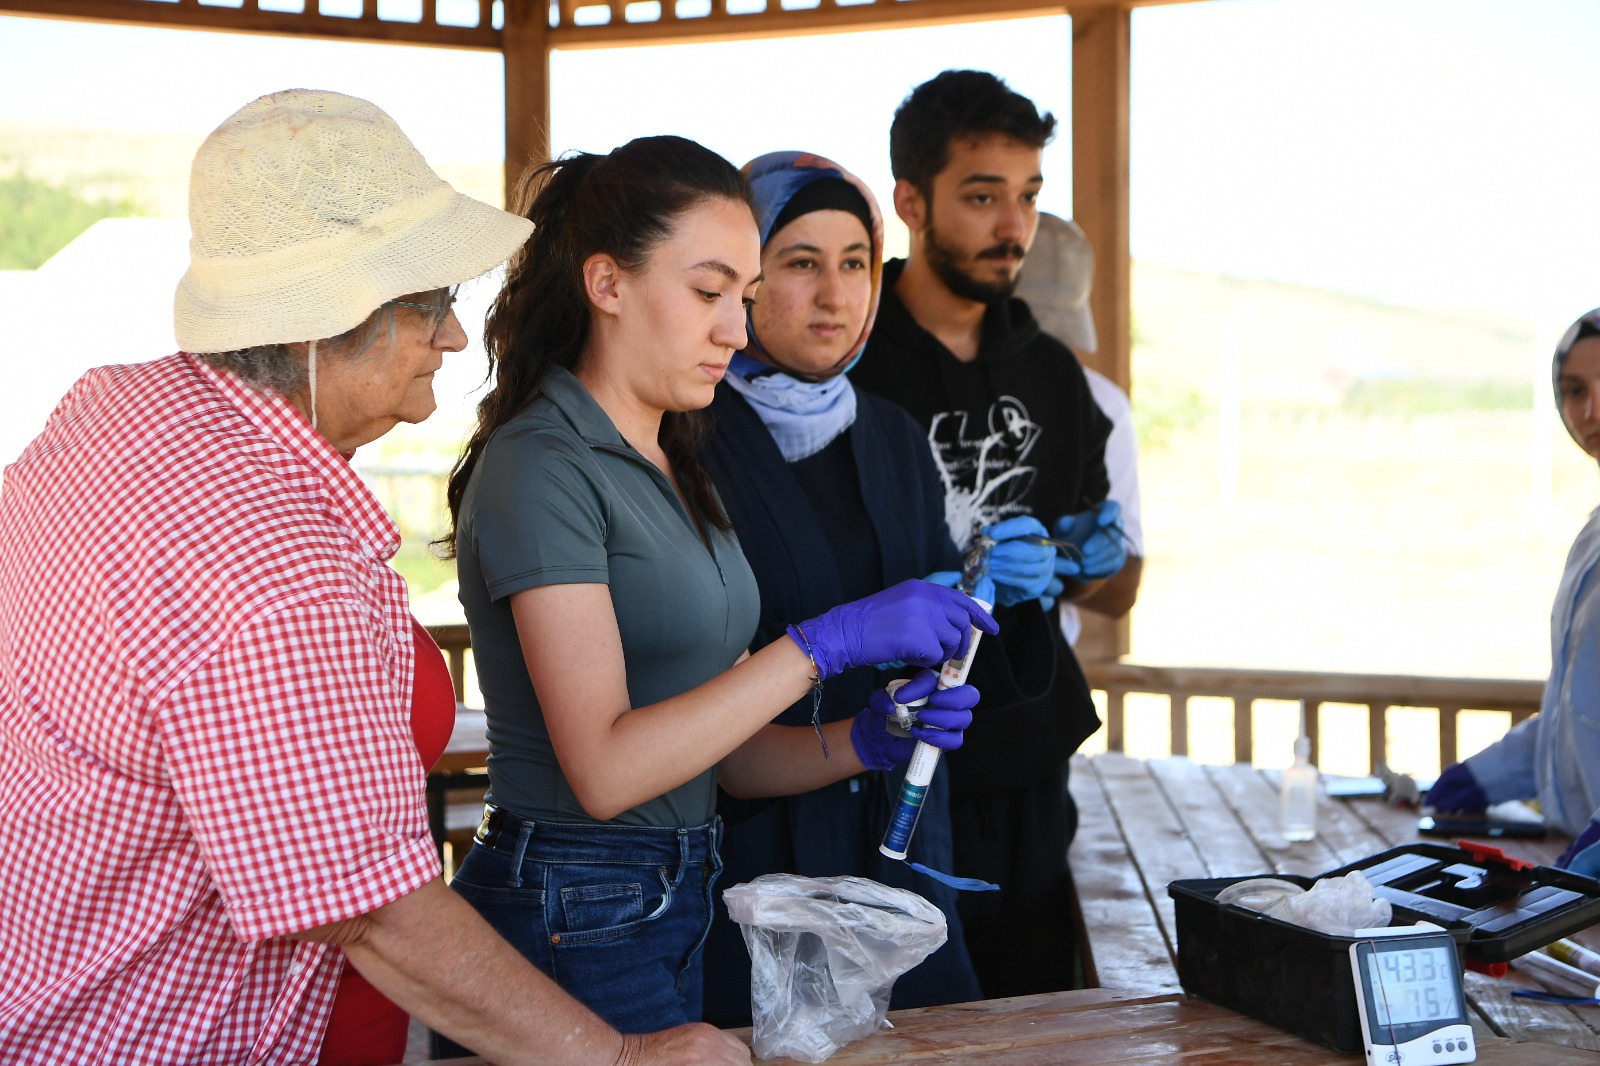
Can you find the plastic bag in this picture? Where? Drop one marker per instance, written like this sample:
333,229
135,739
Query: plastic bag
824,955
1337,905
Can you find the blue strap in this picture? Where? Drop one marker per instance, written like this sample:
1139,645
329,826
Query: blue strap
1551,997
960,884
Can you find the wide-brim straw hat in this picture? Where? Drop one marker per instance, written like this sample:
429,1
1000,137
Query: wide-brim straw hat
1056,277
309,210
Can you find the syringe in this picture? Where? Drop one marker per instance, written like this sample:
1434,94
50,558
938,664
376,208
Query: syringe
925,757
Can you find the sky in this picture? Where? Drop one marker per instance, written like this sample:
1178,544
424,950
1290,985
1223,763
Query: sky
1417,151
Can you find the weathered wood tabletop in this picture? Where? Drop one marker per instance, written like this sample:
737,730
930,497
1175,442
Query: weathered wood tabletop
1102,1027
1145,823
1141,825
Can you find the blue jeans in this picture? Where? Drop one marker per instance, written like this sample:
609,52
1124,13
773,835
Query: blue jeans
615,914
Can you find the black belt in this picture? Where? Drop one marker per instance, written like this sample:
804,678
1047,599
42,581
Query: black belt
497,823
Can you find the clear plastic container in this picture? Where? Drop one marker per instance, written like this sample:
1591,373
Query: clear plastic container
1297,795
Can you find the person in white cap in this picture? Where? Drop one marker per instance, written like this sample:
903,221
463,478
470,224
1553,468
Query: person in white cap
1054,282
216,712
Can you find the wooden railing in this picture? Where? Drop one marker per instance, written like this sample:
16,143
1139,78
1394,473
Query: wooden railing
1377,693
455,641
1448,697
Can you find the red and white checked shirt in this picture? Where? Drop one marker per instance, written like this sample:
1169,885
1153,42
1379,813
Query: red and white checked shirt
205,741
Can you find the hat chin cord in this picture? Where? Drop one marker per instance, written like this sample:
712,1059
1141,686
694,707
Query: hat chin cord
311,373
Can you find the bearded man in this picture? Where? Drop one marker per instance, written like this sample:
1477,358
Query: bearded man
1014,431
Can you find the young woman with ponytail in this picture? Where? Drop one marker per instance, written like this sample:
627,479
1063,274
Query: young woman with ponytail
611,607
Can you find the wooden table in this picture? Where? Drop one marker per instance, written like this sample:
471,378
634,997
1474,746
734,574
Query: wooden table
1103,1027
459,769
1143,824
469,743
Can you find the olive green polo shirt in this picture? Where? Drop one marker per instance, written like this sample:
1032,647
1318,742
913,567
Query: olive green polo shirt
559,497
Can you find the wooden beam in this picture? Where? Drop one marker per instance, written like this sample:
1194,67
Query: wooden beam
776,22
526,40
828,17
251,19
1100,114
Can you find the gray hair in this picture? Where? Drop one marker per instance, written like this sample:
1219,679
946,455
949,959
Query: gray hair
281,368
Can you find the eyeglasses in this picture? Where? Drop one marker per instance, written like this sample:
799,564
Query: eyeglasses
436,303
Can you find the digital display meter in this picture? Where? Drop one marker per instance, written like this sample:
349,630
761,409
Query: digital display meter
1409,992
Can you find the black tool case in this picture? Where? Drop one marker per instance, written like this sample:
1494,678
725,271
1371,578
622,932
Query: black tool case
1299,979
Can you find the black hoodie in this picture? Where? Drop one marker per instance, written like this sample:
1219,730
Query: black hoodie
1014,431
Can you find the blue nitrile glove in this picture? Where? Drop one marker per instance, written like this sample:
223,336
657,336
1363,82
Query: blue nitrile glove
1057,586
915,621
1583,857
1021,569
951,578
1456,791
1095,533
940,722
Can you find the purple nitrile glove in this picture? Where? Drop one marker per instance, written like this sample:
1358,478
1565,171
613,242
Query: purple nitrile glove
1456,791
1101,550
949,579
1583,857
940,722
915,621
1021,569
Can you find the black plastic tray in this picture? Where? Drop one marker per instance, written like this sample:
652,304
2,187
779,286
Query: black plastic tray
1299,979
1293,977
1511,906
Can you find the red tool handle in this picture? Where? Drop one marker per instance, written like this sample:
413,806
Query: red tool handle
1487,853
1493,969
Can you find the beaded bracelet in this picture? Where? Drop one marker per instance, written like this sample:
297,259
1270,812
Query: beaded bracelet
798,634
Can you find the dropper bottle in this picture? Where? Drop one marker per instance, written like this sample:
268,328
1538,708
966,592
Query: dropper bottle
1297,792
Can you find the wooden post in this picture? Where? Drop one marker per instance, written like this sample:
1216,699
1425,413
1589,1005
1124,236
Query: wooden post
1179,717
1243,725
1114,718
1449,720
1314,730
1377,734
525,40
1100,75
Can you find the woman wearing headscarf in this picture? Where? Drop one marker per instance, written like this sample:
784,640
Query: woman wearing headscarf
834,493
220,714
1555,755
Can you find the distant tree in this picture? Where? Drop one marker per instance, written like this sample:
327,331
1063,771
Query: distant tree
38,219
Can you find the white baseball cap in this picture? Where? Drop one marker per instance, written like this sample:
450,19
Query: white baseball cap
1055,280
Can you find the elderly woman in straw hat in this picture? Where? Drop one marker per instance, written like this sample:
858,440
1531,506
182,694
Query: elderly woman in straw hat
216,712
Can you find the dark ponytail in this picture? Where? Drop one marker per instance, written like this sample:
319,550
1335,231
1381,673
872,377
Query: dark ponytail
622,204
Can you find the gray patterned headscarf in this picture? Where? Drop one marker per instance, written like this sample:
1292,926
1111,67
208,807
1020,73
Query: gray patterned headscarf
1588,325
